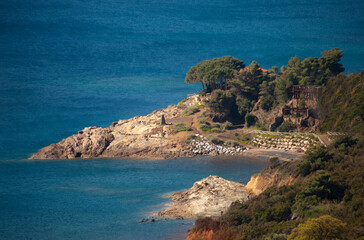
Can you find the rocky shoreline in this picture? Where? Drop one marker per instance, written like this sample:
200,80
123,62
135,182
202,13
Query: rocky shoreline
212,196
209,197
138,137
154,137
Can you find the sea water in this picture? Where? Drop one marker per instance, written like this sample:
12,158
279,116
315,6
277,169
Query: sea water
103,199
66,65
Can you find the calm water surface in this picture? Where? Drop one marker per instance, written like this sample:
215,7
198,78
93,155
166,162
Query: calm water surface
102,199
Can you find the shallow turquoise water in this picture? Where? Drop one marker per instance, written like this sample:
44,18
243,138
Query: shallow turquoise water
102,199
66,65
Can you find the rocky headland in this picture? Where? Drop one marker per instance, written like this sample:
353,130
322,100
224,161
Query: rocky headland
212,196
138,137
155,136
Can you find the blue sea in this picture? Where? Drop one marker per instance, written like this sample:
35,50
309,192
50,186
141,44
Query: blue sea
66,65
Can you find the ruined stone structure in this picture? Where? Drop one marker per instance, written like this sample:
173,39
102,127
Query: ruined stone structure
301,109
304,98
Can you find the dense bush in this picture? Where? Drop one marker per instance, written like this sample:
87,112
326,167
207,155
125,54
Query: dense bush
315,158
221,102
286,127
250,119
267,103
232,143
214,140
337,191
324,227
342,104
345,143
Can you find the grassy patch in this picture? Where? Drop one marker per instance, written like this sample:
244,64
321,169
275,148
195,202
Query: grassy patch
181,127
190,111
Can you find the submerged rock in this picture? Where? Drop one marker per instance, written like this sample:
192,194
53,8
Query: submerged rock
207,198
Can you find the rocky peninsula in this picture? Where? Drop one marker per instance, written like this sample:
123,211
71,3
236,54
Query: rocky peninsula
212,196
138,137
171,133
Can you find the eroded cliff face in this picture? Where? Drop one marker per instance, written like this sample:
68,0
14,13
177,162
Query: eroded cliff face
141,136
205,235
275,174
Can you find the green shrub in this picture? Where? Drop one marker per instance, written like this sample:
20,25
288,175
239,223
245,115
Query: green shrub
267,103
286,127
226,125
216,130
316,158
250,119
214,140
205,127
232,143
181,127
324,227
344,143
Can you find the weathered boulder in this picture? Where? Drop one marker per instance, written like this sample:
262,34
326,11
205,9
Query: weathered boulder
209,197
90,142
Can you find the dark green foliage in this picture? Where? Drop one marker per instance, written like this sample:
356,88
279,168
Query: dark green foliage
242,91
267,103
214,73
244,105
283,88
336,189
250,119
221,102
323,187
286,127
342,104
345,143
315,158
246,83
232,143
214,140
310,71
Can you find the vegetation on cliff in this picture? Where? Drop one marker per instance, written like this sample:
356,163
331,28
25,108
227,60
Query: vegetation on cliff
324,197
236,89
342,104
329,182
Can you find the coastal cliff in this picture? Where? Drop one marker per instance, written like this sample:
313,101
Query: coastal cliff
277,173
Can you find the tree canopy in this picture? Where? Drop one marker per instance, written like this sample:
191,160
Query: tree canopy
310,71
214,73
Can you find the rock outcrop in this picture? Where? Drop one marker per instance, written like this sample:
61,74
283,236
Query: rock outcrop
207,198
141,136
